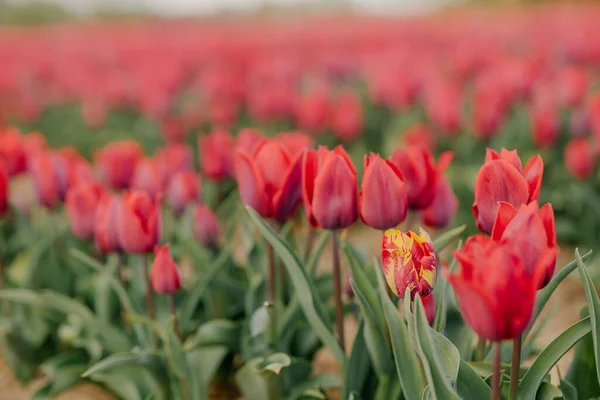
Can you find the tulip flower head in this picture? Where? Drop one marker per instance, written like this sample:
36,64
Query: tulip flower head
81,203
164,275
12,151
329,188
382,196
184,188
429,306
409,261
295,142
502,178
269,179
441,212
580,160
206,226
138,222
533,233
105,224
148,177
216,155
117,162
495,291
247,138
4,189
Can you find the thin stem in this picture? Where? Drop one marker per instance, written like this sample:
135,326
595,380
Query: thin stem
337,290
480,352
272,294
171,299
310,241
496,371
120,272
149,294
515,367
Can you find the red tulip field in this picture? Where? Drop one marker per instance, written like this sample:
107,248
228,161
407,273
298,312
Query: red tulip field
318,207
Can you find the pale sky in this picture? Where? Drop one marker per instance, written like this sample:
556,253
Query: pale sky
186,7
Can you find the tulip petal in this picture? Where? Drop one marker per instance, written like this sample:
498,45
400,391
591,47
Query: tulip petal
547,215
476,308
534,172
251,185
506,212
309,172
286,199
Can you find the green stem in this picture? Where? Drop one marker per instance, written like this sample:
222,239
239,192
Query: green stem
337,290
515,367
171,299
496,371
310,241
149,294
272,295
480,352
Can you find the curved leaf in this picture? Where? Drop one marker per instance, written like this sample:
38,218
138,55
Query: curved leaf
120,360
310,302
446,238
469,384
358,366
550,356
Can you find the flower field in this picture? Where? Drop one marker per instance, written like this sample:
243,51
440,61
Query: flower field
187,208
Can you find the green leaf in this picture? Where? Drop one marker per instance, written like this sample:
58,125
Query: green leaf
61,379
175,354
274,363
568,390
593,303
469,384
407,363
448,237
205,361
439,323
315,257
550,356
548,391
121,360
582,371
256,385
357,367
216,332
305,290
438,379
374,336
318,382
544,294
120,384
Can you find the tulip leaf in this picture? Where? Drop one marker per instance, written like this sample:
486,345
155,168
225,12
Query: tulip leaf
568,390
446,238
593,303
323,381
582,371
439,323
216,332
469,385
550,356
370,294
313,261
374,336
124,360
358,366
407,363
439,379
305,290
544,294
205,361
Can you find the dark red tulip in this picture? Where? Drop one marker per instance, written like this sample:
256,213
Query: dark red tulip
295,142
4,189
12,151
441,212
429,305
532,232
117,162
138,222
148,177
164,275
382,196
105,225
580,159
216,155
247,139
81,203
495,292
502,178
420,173
269,179
183,188
206,226
545,126
329,188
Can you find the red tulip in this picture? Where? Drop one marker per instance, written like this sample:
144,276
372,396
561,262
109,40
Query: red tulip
545,126
174,158
138,222
502,178
382,195
247,139
12,151
216,155
421,136
34,143
117,162
105,225
532,232
441,212
573,84
495,291
347,116
81,203
295,142
329,188
45,179
206,226
580,158
420,173
312,110
172,129
148,177
429,305
409,261
184,188
4,189
164,275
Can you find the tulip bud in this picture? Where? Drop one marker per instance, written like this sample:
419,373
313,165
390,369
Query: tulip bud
117,162
329,188
347,116
502,178
34,143
269,179
206,226
174,158
409,261
81,203
12,151
172,129
164,275
532,232
147,177
295,142
545,126
138,222
494,291
579,158
45,179
419,135
312,109
4,189
105,225
441,212
247,138
382,196
216,155
183,189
